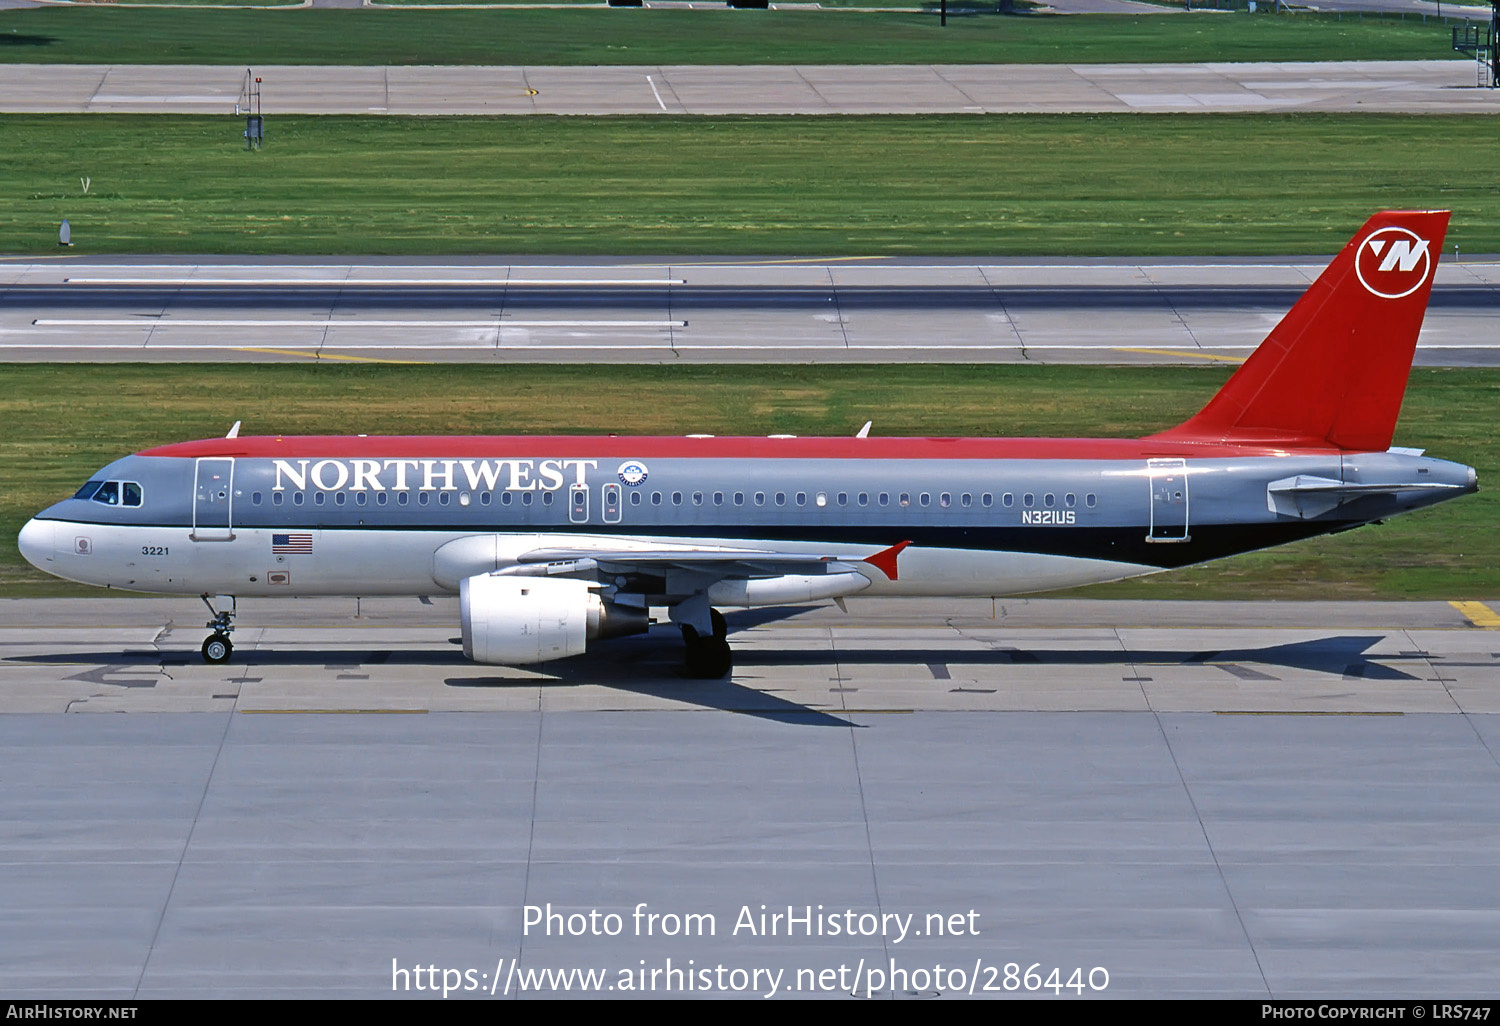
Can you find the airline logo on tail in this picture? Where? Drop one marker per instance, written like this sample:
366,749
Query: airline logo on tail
1392,263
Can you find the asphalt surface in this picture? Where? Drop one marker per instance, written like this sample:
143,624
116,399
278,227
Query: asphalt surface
140,655
854,310
1427,86
1235,804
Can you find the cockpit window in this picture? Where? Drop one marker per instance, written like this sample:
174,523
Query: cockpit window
112,493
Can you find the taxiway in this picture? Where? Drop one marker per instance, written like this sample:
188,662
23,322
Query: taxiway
1238,803
662,311
1422,86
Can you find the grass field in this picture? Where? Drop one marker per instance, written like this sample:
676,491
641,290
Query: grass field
1032,185
632,36
62,422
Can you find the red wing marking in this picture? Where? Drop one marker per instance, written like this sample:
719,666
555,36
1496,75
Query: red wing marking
885,559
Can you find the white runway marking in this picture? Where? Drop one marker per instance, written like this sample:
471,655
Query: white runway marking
184,322
655,93
437,282
226,100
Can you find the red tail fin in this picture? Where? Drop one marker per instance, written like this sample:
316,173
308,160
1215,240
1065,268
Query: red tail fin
1333,372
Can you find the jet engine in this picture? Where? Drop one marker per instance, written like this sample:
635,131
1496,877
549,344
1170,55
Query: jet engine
514,621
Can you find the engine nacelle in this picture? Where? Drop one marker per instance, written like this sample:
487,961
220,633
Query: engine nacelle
515,621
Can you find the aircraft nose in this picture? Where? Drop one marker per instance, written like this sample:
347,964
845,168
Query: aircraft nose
36,542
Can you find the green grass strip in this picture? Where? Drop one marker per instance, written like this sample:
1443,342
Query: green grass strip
631,36
1134,185
64,421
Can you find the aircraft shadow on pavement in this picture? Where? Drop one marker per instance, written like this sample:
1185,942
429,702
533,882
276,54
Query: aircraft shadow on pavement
653,659
649,666
1346,655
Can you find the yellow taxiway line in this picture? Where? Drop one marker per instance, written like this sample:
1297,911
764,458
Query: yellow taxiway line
324,356
1477,613
1184,352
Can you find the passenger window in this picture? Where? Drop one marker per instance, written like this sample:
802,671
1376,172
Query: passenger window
656,498
442,498
1028,500
760,498
781,498
297,498
360,498
108,493
697,498
635,498
133,494
1049,500
802,498
820,500
422,498
945,500
402,499
677,498
925,499
504,498
546,498
864,498
967,500
986,500
254,500
276,498
885,498
1007,500
339,498
321,497
718,498
484,498
906,498
525,498
843,498
1090,499
739,498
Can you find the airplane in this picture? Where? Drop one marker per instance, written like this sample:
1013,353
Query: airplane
552,543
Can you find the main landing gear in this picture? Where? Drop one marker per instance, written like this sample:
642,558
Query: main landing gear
708,658
217,648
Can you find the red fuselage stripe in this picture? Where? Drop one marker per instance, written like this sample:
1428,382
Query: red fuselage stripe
673,447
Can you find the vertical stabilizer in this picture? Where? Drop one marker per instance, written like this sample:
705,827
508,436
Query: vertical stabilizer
1333,372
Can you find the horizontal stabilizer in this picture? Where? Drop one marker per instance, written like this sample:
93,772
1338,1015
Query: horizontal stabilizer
1305,496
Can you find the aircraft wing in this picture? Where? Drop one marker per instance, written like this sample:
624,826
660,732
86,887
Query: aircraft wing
718,563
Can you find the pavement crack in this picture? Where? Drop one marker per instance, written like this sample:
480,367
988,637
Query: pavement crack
955,87
838,310
671,327
1005,312
187,842
156,643
831,108
1208,843
1167,299
672,90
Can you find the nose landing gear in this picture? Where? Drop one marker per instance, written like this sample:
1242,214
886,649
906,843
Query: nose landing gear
217,648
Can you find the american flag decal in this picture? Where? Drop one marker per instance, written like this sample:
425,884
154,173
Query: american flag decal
289,543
